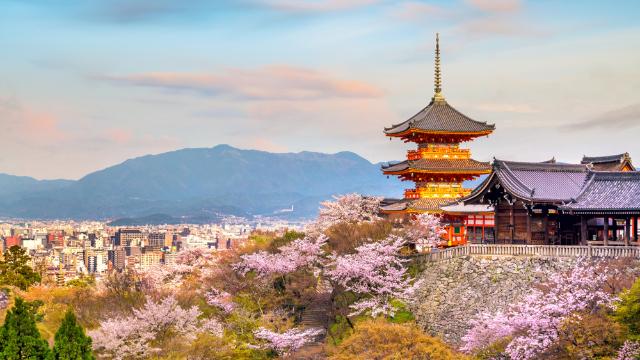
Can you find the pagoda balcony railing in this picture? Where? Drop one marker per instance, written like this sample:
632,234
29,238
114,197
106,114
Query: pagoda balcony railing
436,192
439,153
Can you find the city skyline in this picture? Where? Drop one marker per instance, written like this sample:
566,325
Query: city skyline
87,86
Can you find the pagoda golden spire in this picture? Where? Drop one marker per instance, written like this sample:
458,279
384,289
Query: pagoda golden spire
438,76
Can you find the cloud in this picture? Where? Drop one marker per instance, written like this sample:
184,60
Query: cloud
315,5
30,123
622,118
141,11
268,83
496,6
416,11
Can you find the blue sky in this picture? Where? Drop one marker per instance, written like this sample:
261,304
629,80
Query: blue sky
88,84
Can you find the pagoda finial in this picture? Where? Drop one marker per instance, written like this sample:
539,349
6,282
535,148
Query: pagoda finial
438,78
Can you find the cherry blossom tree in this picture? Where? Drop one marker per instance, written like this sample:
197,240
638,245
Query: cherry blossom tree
533,323
375,271
130,337
169,277
630,350
289,341
220,299
425,231
298,254
350,208
4,299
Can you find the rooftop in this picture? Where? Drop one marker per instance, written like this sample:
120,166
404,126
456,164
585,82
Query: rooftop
608,191
439,166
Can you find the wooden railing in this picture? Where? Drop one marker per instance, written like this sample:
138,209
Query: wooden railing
532,250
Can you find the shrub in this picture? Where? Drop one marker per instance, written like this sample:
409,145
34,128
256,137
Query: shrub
628,310
379,339
587,336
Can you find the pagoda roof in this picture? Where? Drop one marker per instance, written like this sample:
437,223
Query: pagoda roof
609,162
461,208
417,205
439,166
440,118
607,192
535,182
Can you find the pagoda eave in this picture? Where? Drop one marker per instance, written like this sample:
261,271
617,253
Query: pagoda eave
417,135
441,173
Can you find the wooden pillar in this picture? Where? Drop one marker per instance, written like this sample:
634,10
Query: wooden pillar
614,228
545,225
583,230
627,231
496,231
513,223
605,232
528,228
635,229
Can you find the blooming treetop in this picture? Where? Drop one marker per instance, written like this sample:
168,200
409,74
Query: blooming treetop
291,257
288,341
220,299
533,323
170,277
426,231
350,208
376,270
629,351
130,337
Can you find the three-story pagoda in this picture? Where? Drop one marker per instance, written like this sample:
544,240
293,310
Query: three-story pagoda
439,165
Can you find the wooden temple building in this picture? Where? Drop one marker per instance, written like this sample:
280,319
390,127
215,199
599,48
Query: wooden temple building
438,166
551,203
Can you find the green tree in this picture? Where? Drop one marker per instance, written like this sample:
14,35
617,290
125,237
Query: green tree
19,336
71,343
15,269
628,310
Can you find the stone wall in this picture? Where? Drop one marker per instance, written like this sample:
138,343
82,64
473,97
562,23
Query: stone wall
457,290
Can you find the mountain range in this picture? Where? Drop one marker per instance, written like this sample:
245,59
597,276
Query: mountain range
198,185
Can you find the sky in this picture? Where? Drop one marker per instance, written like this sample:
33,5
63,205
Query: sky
88,84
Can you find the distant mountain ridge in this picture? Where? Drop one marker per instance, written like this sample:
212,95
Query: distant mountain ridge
198,183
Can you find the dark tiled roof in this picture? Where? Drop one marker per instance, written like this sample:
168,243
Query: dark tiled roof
418,205
608,191
609,163
439,165
439,116
394,205
428,204
541,181
603,159
538,182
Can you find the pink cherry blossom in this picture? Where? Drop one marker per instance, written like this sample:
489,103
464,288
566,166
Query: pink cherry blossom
375,271
288,341
533,322
425,231
220,299
630,350
350,208
298,254
130,337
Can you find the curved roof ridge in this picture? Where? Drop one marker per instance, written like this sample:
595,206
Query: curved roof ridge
605,158
513,178
542,166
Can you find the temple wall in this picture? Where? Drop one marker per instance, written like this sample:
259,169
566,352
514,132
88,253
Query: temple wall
457,290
